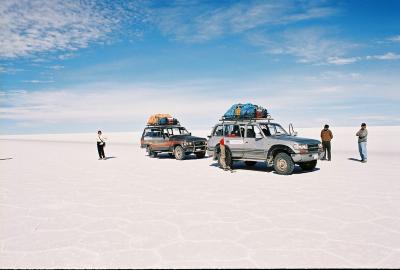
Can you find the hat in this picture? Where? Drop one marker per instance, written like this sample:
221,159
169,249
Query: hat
326,126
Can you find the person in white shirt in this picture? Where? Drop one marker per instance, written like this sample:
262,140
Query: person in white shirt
101,142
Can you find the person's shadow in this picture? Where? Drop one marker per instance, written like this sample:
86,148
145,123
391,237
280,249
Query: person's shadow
109,158
354,159
6,158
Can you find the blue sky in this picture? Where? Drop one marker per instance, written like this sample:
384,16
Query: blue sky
80,66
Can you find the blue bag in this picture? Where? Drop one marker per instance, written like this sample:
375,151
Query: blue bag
248,111
230,114
163,121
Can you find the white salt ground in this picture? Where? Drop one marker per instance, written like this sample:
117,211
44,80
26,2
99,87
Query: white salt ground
60,207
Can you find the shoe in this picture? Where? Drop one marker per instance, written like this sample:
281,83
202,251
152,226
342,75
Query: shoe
364,161
329,159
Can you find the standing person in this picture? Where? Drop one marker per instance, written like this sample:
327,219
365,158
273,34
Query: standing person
326,137
222,159
362,142
101,143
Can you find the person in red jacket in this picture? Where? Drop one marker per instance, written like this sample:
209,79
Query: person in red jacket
222,159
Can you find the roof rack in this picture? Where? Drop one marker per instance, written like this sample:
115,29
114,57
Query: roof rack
268,118
166,125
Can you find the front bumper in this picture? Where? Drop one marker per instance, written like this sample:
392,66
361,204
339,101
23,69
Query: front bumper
306,157
195,148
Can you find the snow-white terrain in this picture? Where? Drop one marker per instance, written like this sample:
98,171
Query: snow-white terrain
60,207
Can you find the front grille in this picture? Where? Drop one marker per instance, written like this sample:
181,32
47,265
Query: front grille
199,143
313,148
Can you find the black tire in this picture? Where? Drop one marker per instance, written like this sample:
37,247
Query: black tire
200,154
283,164
250,163
308,166
150,152
228,157
179,153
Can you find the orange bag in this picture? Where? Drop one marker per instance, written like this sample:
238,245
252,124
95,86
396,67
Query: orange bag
153,119
237,111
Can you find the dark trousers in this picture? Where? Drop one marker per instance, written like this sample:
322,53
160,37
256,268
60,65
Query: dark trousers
326,146
100,149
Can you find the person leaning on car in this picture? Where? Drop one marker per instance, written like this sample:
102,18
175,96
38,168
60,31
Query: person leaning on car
326,137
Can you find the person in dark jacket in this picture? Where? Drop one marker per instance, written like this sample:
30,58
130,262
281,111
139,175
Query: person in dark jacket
362,142
326,137
101,143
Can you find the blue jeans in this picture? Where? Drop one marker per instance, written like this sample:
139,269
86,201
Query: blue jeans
362,148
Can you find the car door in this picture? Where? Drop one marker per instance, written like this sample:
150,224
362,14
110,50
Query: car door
216,135
254,143
164,142
157,140
234,139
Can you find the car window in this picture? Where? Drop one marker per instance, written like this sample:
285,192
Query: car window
147,133
273,130
232,131
253,132
218,131
156,133
152,133
175,131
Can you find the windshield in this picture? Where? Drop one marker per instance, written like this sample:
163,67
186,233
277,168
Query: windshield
273,130
175,131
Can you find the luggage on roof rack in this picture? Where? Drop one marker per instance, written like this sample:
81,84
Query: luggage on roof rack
245,111
162,119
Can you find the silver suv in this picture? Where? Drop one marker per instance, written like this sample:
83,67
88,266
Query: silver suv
255,141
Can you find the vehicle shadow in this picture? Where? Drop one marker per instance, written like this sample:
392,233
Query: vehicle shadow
354,159
262,167
6,158
187,157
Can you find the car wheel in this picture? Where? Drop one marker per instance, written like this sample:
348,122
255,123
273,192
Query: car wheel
308,166
250,163
150,152
179,153
200,154
283,164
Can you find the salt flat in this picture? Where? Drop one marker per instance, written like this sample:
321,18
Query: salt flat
61,207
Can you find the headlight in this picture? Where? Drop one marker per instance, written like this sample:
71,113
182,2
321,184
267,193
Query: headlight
297,146
187,143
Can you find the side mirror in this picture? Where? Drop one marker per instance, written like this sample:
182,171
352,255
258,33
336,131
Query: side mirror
295,133
190,133
209,137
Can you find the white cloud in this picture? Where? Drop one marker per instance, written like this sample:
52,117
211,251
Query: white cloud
55,67
342,61
200,103
30,27
386,56
9,70
37,81
308,45
196,22
394,38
